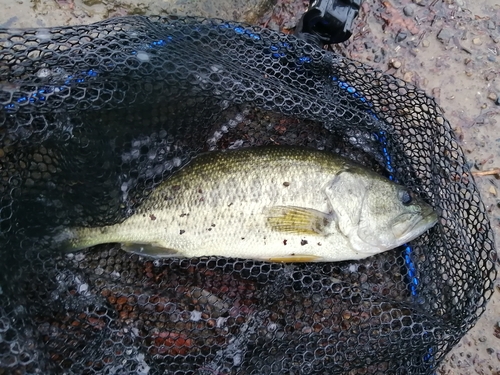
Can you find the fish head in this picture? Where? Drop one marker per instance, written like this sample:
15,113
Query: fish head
376,214
391,216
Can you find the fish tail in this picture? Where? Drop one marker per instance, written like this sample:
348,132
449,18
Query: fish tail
70,239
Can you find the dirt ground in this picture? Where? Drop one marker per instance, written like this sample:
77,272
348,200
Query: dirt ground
449,48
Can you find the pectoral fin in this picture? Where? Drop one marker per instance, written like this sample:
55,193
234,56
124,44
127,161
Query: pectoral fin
298,220
150,249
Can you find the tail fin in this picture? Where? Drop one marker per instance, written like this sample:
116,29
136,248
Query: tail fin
65,239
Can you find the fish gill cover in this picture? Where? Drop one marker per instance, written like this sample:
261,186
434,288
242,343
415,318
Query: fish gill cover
93,117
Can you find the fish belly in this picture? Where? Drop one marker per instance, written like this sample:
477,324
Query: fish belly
239,231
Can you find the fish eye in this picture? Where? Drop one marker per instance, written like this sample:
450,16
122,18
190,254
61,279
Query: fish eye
406,198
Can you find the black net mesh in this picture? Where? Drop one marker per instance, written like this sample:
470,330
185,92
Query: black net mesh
93,117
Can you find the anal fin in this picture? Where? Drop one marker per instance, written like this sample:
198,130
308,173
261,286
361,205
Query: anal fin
155,250
297,258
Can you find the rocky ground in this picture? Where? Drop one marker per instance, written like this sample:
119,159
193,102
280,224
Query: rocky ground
449,48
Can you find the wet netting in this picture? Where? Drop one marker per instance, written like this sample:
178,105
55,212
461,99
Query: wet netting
93,117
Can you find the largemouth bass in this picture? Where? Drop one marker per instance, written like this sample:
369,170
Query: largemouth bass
270,203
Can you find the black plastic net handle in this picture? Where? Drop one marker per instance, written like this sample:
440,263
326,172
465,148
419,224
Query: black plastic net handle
328,21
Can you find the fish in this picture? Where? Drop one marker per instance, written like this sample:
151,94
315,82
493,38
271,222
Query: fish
271,203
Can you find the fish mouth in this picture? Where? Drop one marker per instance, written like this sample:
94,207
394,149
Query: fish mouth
417,225
429,217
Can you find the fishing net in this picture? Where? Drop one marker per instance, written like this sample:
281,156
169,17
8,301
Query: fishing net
93,117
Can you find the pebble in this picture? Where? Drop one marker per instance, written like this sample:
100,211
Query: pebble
408,76
491,25
409,10
492,96
490,350
273,25
402,35
42,167
425,43
477,41
445,35
396,64
490,76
